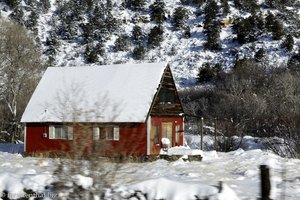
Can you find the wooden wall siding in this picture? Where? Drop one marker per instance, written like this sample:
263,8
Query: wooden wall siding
132,141
166,101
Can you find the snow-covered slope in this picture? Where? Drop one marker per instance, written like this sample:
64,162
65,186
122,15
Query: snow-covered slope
238,170
185,55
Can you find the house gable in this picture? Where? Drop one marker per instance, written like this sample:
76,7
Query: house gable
166,101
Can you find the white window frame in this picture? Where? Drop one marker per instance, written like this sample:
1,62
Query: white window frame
69,133
115,136
96,133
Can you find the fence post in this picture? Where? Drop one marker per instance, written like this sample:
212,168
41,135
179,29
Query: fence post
202,133
265,182
215,124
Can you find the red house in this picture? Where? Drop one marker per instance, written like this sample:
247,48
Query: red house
114,109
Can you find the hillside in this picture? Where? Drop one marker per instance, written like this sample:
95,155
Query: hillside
75,32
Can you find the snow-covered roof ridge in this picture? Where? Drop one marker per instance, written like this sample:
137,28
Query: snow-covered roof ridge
98,93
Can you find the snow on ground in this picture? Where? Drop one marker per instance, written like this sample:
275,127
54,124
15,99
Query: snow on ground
18,173
238,170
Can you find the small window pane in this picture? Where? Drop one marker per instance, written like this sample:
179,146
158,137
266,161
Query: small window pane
177,133
156,134
96,133
116,133
109,133
102,133
61,132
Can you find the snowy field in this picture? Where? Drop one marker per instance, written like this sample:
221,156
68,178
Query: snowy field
238,170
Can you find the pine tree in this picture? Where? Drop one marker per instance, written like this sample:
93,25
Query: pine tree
100,49
205,74
136,5
110,20
288,43
294,63
249,29
12,3
277,30
226,8
157,11
211,10
187,32
238,4
137,34
259,55
32,20
212,27
87,32
155,36
90,4
122,43
45,5
90,55
180,16
139,53
270,20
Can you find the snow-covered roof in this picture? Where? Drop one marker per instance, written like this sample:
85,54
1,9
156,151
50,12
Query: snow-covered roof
108,93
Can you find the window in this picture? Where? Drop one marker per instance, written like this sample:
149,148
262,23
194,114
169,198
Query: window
96,133
61,132
109,133
177,134
156,134
167,95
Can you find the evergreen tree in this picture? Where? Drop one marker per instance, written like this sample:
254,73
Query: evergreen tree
12,3
294,63
213,36
90,55
270,21
211,10
225,6
32,19
87,32
100,49
90,4
277,30
99,22
137,34
122,43
139,53
259,55
51,43
155,36
192,2
288,43
249,29
136,5
157,11
212,27
238,4
187,32
206,74
110,20
180,16
45,5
